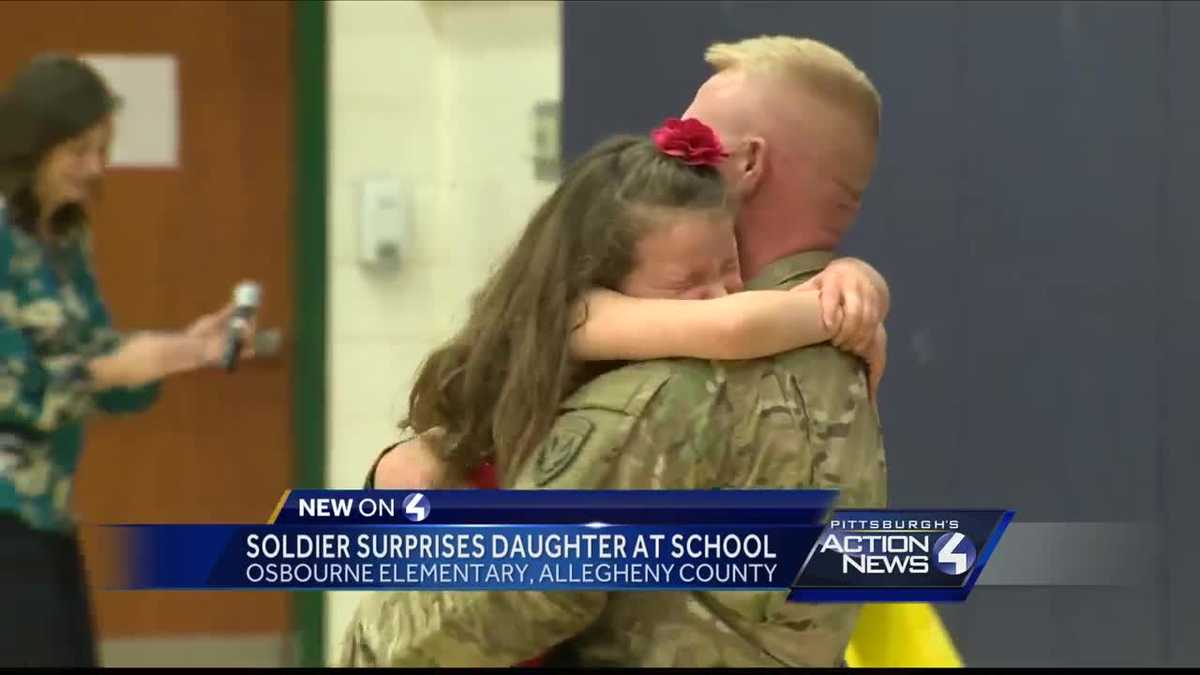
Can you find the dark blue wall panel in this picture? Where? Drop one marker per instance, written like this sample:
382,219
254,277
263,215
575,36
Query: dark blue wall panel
1034,210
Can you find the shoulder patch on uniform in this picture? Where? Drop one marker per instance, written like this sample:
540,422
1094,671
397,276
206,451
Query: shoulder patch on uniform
560,450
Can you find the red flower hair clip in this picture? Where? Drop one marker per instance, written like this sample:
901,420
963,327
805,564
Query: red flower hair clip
692,141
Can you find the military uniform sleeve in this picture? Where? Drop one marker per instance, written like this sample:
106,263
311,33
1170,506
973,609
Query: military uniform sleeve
615,425
652,425
845,434
805,422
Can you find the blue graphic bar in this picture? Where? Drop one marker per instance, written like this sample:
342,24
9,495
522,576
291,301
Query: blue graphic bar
478,540
472,557
496,507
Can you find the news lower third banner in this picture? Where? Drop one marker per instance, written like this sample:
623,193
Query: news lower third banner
558,540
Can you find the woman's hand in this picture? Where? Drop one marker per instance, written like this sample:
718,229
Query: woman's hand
145,357
854,301
209,333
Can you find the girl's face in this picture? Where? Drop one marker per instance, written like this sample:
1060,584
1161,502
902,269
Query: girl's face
687,255
71,171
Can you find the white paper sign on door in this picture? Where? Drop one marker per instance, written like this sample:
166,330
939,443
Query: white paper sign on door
147,124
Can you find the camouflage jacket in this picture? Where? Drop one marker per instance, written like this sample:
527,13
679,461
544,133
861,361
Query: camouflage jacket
52,321
797,420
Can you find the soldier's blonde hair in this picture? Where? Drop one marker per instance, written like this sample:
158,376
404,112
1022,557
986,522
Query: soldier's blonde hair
819,68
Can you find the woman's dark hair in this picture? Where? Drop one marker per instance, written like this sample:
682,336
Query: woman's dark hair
495,387
53,99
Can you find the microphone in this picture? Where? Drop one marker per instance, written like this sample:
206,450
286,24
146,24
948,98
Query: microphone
246,298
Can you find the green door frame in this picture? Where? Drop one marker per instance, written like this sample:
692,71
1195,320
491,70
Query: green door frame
310,284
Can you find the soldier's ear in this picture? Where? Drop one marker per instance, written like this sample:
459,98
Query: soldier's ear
749,164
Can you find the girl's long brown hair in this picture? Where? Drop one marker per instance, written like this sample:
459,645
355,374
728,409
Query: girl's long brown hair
495,387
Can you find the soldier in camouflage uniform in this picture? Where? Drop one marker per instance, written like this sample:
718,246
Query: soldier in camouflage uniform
797,420
60,358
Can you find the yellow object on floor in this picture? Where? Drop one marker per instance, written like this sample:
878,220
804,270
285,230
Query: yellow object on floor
893,635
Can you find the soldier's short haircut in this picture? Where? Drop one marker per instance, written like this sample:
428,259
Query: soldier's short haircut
816,66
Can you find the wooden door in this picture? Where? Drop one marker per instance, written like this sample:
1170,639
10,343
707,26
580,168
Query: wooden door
170,245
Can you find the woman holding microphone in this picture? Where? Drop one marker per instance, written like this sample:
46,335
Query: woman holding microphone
60,358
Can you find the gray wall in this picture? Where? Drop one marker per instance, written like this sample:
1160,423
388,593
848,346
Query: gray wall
1034,212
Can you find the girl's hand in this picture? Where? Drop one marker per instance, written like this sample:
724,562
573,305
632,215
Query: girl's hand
854,301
